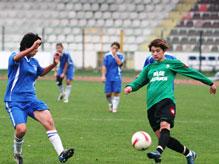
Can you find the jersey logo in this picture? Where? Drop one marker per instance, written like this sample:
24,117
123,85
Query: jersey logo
167,66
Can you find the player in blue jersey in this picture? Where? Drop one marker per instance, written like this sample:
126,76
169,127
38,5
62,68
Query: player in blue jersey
21,100
150,59
111,75
65,69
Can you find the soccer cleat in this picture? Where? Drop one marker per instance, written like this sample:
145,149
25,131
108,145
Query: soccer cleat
65,155
65,100
155,155
191,157
61,96
114,110
18,158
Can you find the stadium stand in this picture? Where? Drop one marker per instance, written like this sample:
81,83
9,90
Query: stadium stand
63,20
102,21
203,16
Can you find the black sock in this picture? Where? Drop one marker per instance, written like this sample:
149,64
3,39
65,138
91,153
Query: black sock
163,140
175,145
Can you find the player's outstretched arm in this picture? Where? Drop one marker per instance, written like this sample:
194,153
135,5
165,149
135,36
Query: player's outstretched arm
53,65
213,89
21,54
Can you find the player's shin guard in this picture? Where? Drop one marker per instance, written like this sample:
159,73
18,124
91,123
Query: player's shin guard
115,102
18,142
175,145
163,140
55,140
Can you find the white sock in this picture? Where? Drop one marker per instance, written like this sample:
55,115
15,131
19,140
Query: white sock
109,99
67,91
55,140
18,142
61,88
115,101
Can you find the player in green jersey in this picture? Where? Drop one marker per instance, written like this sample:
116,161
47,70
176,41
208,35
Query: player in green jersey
159,77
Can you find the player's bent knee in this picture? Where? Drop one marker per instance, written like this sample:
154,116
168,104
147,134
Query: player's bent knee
164,125
49,124
21,130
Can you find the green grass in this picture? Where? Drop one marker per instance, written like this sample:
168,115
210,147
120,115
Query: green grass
100,137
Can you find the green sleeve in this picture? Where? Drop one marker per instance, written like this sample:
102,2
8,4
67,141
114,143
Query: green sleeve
141,80
182,69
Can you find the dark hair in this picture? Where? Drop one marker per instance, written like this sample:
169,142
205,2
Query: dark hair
59,44
28,40
116,44
159,43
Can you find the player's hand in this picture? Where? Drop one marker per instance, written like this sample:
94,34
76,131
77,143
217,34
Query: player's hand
103,79
213,89
62,75
56,58
128,90
36,44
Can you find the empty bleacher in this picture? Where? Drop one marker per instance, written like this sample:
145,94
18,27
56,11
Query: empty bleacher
64,20
203,17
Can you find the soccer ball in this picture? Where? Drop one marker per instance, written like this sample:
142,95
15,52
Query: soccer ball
141,140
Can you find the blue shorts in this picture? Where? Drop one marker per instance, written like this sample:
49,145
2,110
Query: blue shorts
18,111
69,73
113,86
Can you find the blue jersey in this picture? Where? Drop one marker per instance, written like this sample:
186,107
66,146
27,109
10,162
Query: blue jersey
65,58
150,59
113,70
21,79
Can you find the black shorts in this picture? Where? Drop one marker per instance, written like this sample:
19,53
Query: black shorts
165,110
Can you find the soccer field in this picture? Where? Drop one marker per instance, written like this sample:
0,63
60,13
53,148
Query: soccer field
100,137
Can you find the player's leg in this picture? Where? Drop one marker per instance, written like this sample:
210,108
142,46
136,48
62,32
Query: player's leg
175,145
161,117
18,118
60,86
69,78
108,94
40,113
116,95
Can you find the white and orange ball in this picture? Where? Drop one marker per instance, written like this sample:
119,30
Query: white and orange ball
141,140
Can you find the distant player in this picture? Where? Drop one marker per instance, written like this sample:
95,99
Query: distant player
21,100
111,75
150,59
65,69
160,97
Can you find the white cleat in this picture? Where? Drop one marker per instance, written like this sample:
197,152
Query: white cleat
114,110
65,100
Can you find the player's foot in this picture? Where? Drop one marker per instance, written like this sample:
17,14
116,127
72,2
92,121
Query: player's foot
155,155
61,96
191,157
65,155
65,100
114,110
110,107
18,158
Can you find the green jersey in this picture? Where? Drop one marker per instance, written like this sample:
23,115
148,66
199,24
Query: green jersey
160,79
